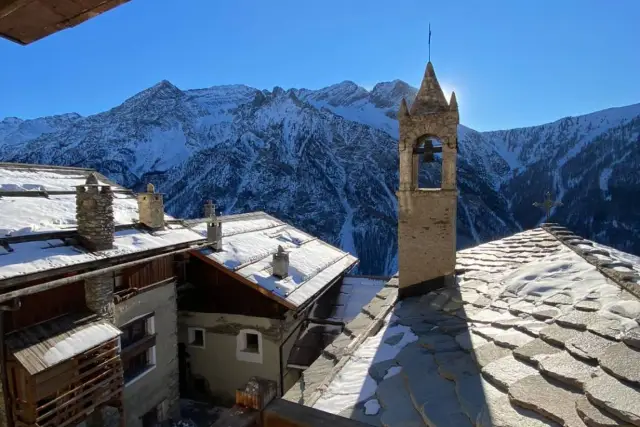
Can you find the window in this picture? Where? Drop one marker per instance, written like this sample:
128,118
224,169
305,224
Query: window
196,337
251,343
138,346
249,346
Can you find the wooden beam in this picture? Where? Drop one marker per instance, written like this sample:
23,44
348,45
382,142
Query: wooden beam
7,7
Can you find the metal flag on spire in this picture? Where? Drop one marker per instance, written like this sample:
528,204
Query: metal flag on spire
429,41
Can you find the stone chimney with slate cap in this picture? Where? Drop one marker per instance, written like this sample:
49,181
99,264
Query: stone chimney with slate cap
96,229
94,214
427,216
214,227
281,263
151,208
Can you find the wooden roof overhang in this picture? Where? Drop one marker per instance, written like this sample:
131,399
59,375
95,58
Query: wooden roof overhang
243,280
25,21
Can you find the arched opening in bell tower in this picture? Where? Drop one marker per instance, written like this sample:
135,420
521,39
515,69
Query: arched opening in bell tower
427,162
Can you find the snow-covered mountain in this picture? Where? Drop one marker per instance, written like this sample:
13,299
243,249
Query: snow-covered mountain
326,161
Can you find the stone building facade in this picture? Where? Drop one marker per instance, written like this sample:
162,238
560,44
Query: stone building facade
427,216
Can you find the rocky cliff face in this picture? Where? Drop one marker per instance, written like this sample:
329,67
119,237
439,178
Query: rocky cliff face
326,161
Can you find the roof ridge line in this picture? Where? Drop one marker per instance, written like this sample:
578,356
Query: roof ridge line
572,240
36,166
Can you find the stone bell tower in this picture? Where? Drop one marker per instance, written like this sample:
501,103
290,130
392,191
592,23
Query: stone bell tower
427,216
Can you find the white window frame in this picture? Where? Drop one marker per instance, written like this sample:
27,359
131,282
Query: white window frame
151,352
191,333
241,343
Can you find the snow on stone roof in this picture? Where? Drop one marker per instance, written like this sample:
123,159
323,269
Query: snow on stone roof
249,242
33,257
541,330
36,199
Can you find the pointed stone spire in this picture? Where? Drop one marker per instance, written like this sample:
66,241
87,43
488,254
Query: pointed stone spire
430,97
453,104
404,109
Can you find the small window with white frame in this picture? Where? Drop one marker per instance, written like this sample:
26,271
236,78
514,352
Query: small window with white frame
249,346
196,337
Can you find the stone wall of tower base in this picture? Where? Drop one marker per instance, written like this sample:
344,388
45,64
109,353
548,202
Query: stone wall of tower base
426,235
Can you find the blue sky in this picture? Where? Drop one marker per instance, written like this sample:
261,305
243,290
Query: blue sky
512,63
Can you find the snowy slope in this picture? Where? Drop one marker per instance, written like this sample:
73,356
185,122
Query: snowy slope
326,161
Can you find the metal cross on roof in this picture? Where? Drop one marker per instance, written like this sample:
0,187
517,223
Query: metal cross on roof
548,204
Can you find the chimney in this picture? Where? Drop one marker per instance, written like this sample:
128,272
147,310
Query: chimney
281,263
94,214
151,208
214,226
209,209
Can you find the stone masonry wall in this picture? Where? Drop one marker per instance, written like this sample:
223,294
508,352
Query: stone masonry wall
151,209
94,215
161,384
98,294
426,235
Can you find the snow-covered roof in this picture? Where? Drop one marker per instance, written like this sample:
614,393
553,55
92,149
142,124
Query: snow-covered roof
47,344
249,242
37,199
542,329
41,255
48,205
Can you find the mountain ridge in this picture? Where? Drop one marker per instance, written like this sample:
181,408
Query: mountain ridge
326,160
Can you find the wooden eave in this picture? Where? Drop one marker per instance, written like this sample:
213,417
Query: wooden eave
243,280
25,21
75,269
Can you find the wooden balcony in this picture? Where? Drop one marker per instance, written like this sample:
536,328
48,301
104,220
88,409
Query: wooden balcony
61,371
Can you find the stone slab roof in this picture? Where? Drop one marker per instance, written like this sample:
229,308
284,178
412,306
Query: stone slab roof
541,329
249,242
38,221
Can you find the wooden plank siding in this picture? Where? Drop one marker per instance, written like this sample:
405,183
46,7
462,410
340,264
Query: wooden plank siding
216,292
46,305
139,278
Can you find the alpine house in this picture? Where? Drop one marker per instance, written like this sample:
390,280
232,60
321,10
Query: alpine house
88,272
251,298
536,329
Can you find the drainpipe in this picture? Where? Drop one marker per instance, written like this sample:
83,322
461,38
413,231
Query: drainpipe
15,306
